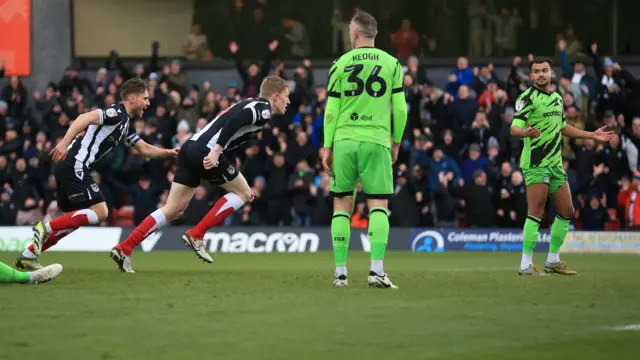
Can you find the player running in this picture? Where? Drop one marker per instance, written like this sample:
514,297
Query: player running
357,141
540,120
203,158
8,275
91,136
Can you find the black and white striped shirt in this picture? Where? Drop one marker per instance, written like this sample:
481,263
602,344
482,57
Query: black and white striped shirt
97,140
235,125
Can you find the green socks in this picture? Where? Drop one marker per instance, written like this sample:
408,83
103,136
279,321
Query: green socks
378,232
530,234
340,233
559,230
378,236
10,275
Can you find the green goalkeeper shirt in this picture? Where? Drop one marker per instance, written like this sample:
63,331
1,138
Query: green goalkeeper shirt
364,84
544,111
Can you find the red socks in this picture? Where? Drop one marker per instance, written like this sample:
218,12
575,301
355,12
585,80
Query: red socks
53,239
73,220
224,207
147,227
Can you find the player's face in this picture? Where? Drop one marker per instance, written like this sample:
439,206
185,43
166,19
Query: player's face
141,102
280,101
541,74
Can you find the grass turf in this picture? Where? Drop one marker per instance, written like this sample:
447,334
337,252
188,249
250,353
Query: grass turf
282,306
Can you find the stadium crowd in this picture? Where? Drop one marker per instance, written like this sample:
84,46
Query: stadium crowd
458,164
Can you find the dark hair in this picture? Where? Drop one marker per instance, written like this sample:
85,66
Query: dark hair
133,86
540,60
366,23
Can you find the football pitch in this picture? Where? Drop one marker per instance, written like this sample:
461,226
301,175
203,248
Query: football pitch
282,306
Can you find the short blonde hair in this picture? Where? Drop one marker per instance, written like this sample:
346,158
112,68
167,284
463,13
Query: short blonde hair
272,85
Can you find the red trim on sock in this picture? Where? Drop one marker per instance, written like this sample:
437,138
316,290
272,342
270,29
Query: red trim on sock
68,221
211,219
137,235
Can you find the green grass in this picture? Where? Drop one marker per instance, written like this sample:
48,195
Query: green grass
282,306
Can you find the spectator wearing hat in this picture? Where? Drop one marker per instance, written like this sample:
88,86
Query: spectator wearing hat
183,134
474,161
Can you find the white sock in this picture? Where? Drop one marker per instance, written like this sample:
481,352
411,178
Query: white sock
553,257
47,226
527,260
341,270
376,267
27,253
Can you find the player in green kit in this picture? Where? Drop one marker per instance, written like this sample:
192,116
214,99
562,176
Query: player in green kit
539,119
8,275
358,133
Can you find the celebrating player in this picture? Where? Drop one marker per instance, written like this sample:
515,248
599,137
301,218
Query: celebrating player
540,120
8,275
357,141
90,137
203,157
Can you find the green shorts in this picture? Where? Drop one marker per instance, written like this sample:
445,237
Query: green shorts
554,176
369,162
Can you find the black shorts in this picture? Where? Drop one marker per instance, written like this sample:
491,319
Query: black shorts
76,189
190,169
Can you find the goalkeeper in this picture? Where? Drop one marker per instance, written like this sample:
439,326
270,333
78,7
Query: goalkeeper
358,133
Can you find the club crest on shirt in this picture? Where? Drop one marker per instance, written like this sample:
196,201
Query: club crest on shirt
519,105
95,188
265,114
111,112
231,170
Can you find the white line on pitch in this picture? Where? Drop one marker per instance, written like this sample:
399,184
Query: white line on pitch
630,327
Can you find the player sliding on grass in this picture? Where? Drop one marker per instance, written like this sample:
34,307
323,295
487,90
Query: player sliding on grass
90,137
357,140
8,275
540,120
203,158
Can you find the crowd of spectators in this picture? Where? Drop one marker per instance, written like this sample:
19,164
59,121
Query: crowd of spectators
458,165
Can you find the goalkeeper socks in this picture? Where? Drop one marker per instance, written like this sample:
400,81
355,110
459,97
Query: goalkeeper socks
52,239
559,230
529,238
378,236
224,207
341,233
148,226
11,275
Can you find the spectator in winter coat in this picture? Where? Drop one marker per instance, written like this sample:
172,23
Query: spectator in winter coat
461,76
441,163
473,163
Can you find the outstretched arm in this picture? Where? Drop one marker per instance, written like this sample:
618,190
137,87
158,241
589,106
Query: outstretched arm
154,152
598,135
